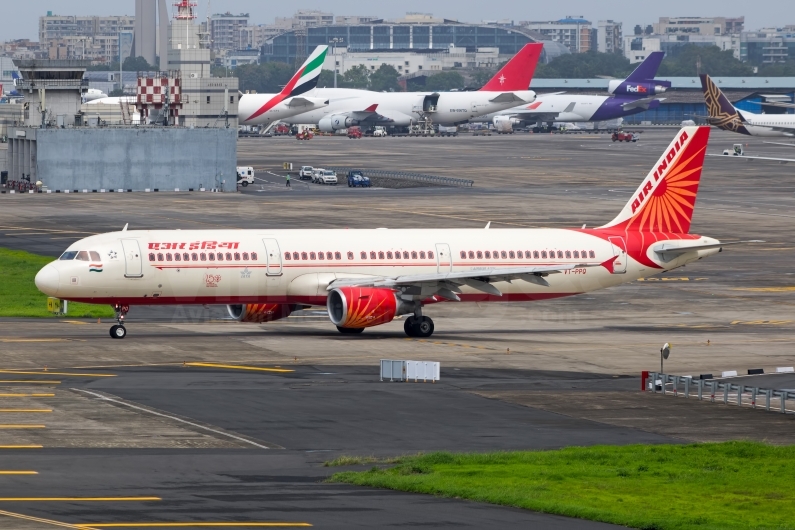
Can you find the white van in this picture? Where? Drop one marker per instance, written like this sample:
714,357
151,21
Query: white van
245,175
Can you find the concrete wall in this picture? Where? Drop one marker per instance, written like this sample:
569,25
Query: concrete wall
132,158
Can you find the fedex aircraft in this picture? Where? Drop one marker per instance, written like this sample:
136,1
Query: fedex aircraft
366,278
629,96
264,109
724,115
348,107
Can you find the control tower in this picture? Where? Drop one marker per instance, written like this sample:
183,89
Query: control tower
53,90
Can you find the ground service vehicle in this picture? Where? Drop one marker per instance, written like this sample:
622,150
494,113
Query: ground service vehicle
379,132
245,176
736,150
305,173
356,179
448,131
327,176
354,132
281,129
367,277
306,134
621,136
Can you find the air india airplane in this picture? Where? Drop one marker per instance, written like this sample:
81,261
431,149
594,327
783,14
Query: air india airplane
366,278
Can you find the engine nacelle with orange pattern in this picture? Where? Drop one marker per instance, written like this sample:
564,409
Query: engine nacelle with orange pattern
364,307
259,313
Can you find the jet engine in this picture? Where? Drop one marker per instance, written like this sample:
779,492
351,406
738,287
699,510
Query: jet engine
259,313
364,307
336,122
504,124
650,87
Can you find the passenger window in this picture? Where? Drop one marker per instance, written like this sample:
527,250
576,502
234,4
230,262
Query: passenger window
480,255
381,255
487,254
405,254
584,254
413,254
576,254
389,255
83,256
591,253
422,254
350,255
177,257
312,256
287,255
568,254
543,254
471,255
303,256
560,254
237,256
185,256
245,256
320,255
364,255
296,256
151,257
253,256
94,256
160,257
168,256
204,256
503,255
220,256
430,255
495,254
211,256
535,254
329,255
68,256
511,255
337,255
372,255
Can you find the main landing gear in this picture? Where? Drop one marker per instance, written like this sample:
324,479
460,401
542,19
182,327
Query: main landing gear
418,326
119,331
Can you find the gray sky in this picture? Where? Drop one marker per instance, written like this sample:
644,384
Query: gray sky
19,19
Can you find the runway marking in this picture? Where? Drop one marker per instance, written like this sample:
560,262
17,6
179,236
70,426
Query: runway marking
27,395
19,472
766,289
23,426
56,373
42,382
119,402
672,279
761,322
21,447
448,344
40,340
25,410
79,499
75,322
197,525
240,367
45,521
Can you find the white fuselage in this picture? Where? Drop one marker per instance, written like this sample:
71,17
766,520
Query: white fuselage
583,109
769,125
275,109
285,266
405,108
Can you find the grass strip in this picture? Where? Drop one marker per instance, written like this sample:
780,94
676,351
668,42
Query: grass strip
653,487
19,296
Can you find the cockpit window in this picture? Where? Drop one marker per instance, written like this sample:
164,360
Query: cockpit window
68,255
83,256
95,256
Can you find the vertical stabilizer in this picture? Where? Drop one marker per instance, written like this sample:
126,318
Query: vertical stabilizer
665,200
306,78
647,69
722,113
518,72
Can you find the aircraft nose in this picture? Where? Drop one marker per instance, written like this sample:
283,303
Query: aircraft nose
48,280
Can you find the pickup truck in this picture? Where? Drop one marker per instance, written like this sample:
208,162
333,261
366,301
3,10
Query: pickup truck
357,180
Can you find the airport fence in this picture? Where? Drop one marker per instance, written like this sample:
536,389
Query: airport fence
402,175
716,391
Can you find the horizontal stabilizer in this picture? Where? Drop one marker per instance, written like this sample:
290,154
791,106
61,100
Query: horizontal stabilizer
507,97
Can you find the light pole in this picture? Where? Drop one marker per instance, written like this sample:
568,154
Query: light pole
334,42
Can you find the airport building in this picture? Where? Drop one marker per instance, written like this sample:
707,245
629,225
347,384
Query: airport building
773,45
573,32
669,34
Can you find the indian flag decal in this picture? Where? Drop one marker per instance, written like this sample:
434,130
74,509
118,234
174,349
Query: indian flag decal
95,267
304,80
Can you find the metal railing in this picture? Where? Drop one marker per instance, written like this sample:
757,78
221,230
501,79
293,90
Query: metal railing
32,84
402,175
721,392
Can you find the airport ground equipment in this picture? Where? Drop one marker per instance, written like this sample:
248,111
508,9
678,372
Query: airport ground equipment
416,177
357,180
354,133
245,175
736,150
410,371
306,173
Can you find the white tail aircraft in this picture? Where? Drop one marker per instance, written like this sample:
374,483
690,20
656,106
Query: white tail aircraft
264,109
368,277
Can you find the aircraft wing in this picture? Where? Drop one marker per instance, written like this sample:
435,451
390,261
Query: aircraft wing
780,143
781,104
639,103
447,284
763,158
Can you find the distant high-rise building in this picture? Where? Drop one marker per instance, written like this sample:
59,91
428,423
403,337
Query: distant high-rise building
225,31
609,37
90,38
699,26
572,32
145,42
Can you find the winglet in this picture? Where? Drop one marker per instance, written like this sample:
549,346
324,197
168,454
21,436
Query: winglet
371,108
609,264
518,72
125,227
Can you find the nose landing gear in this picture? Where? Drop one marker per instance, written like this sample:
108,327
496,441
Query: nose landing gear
119,331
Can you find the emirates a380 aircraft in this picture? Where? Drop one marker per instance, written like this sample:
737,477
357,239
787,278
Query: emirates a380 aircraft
368,277
264,109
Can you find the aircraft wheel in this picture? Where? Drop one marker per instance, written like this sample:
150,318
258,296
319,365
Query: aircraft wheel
424,328
118,332
409,327
350,331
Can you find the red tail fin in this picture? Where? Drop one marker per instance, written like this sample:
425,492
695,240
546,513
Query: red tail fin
518,72
665,200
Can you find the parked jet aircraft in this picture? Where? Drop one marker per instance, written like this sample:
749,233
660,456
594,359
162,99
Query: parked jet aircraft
368,277
630,96
724,115
93,94
349,107
264,109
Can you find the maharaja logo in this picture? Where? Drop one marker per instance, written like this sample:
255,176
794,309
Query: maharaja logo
660,171
95,267
639,89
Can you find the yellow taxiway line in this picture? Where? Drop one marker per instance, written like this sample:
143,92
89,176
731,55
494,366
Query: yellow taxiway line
44,521
197,525
26,395
21,446
19,472
22,426
40,382
55,373
25,410
240,367
79,499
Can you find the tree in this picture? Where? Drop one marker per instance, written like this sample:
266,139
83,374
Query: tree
777,70
385,79
445,81
326,79
137,64
266,78
218,71
117,93
356,77
585,66
684,62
